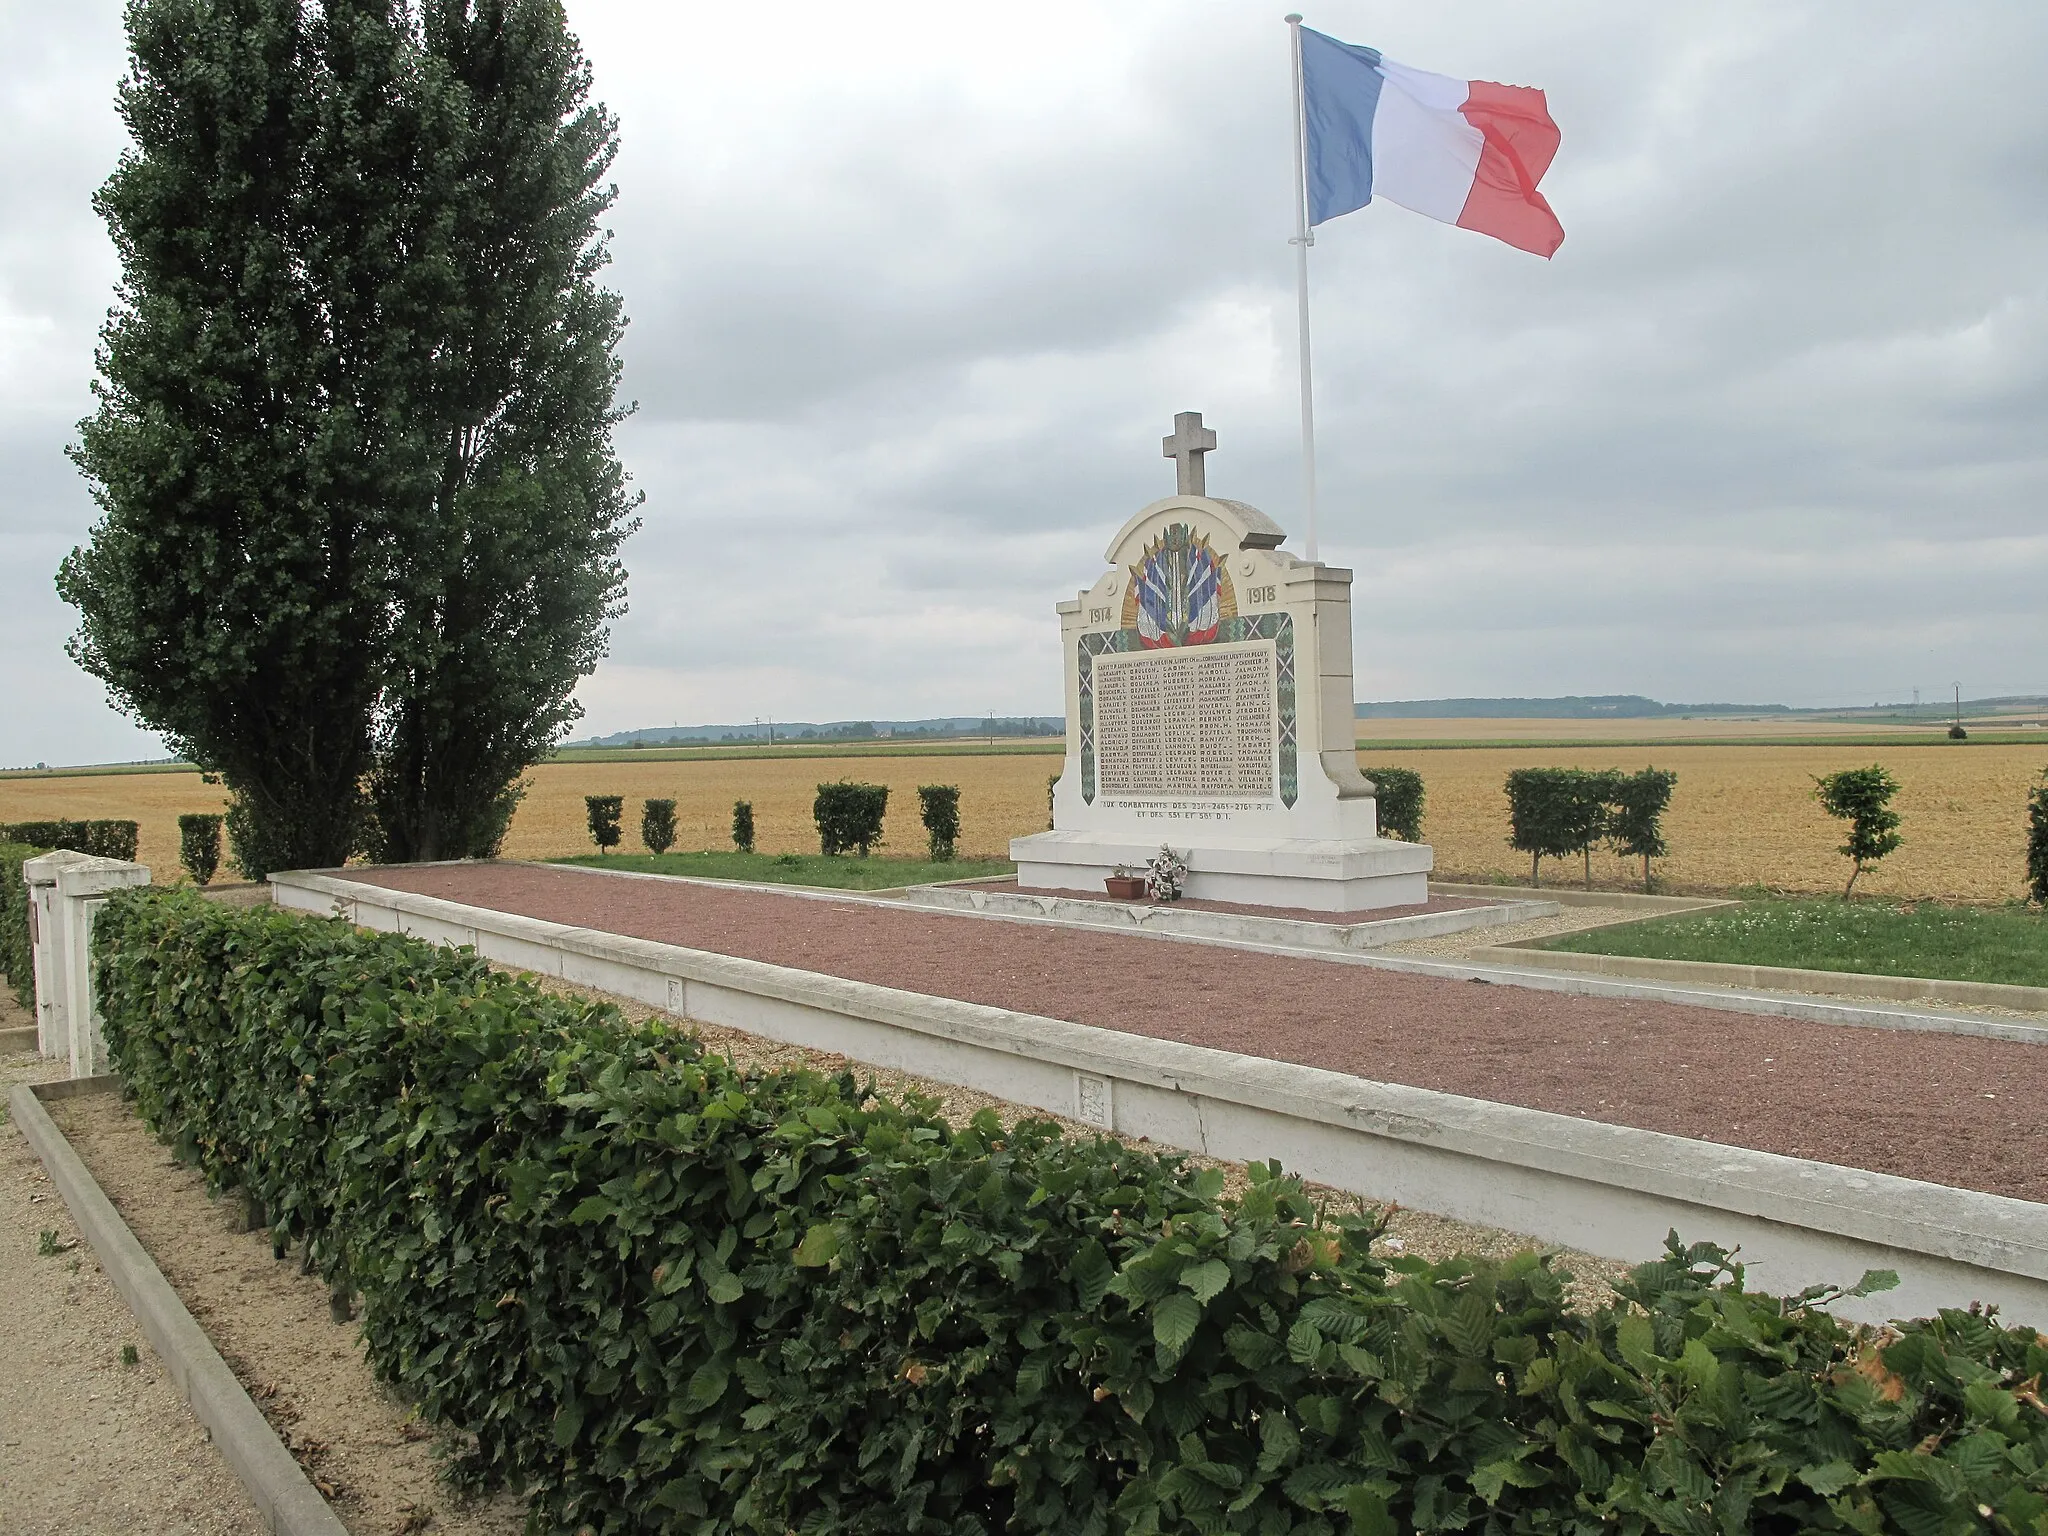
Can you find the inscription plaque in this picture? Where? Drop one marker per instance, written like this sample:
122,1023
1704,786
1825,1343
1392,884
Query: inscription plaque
1194,721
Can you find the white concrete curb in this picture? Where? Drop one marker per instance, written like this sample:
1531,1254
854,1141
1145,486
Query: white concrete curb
1195,923
1610,1190
1780,978
284,1496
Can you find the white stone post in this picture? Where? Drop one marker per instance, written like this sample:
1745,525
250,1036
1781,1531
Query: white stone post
46,940
82,889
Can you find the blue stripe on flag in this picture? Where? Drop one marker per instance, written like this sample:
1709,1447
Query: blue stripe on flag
1341,92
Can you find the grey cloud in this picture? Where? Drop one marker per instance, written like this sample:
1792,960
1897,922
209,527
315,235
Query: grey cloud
906,336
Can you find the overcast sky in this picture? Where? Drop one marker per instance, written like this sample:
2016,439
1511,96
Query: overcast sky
916,289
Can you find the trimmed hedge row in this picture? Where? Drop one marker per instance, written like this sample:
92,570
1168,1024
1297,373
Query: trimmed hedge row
101,839
661,1293
849,816
1399,795
15,957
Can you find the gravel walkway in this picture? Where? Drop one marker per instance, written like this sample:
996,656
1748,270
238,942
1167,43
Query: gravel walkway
1950,1109
88,1446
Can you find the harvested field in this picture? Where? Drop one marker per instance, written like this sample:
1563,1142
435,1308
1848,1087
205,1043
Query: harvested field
1741,815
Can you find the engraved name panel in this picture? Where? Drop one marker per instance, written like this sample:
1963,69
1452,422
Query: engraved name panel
1186,722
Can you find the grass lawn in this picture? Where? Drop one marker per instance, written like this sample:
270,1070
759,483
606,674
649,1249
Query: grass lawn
846,873
2003,944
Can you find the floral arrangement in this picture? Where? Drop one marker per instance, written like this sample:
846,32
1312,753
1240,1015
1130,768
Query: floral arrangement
1166,875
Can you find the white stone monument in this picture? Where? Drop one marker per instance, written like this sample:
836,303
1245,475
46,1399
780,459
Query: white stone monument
1209,708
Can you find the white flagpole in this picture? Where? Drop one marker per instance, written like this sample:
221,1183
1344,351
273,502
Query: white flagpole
1302,240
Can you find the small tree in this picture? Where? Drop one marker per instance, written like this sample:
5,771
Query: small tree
199,846
849,816
1554,812
603,812
1399,792
743,825
939,804
2037,840
1636,813
1861,797
658,825
1051,785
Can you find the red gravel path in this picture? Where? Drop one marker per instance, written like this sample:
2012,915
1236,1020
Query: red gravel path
1953,1109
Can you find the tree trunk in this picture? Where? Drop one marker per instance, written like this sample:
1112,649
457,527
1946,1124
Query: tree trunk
1646,874
1855,869
1588,852
1536,870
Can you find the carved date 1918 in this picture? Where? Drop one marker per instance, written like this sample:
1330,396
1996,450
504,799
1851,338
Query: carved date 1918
1258,594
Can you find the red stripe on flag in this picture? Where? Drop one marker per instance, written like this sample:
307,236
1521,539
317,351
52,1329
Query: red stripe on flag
1520,142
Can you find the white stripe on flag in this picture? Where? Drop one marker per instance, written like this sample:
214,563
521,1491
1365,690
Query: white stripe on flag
1424,152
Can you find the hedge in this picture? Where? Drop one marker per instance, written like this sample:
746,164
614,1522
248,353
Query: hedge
939,809
2037,841
661,1293
1399,799
658,825
1555,812
602,812
199,845
15,956
849,816
101,839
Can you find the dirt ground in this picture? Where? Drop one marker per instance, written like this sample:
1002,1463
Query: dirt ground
89,1446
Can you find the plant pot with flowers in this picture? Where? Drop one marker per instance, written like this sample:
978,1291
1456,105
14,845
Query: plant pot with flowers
1125,884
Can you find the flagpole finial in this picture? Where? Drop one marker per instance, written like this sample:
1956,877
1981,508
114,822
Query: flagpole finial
1292,18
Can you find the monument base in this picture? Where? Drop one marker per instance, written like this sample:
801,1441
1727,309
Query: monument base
1311,874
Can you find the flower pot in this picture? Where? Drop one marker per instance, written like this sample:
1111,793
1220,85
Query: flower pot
1125,887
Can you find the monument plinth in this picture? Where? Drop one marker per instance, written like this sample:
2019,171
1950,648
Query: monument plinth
1209,708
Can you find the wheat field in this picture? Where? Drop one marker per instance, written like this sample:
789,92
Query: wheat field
1740,815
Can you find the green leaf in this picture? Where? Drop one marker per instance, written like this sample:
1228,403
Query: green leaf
1873,1281
1636,1341
1469,1326
1174,1321
819,1247
1206,1280
1829,1478
725,1287
1368,1512
707,1384
591,1208
1091,1273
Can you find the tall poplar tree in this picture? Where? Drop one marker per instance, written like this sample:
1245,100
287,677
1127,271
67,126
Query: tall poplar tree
353,448
512,538
231,595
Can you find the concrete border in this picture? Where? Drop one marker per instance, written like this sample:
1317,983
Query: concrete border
1777,978
1606,1189
1194,922
284,1496
1570,896
22,1039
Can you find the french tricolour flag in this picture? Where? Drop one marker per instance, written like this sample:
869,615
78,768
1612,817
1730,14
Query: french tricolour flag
1468,152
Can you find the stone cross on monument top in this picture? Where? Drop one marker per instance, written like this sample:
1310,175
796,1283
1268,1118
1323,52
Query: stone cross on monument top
1190,440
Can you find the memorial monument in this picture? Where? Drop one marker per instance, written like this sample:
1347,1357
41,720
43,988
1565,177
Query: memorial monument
1209,709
